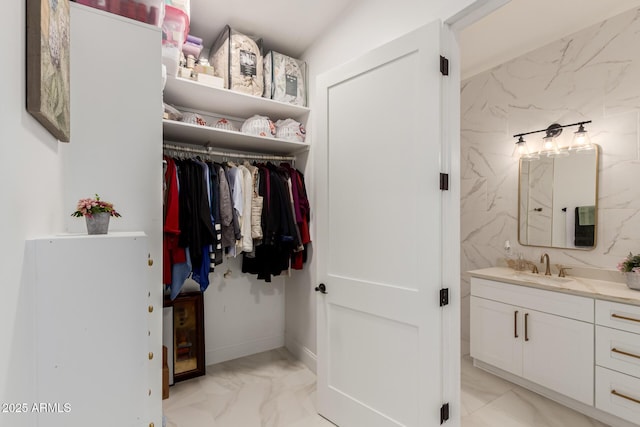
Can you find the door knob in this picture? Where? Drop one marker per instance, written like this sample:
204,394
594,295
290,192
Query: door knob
321,288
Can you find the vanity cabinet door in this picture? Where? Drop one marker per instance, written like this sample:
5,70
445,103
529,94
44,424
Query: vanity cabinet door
496,334
558,354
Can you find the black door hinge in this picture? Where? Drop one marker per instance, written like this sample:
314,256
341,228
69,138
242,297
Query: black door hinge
444,66
444,413
444,297
444,181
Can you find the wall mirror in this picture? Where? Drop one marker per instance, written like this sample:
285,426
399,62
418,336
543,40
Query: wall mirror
557,203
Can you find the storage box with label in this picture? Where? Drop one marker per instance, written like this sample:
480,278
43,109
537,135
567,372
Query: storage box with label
285,79
237,58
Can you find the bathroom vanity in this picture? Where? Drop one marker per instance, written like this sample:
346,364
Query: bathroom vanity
572,339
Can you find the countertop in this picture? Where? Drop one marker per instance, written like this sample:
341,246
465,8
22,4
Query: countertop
582,286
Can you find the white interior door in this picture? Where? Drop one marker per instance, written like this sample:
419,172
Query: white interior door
379,219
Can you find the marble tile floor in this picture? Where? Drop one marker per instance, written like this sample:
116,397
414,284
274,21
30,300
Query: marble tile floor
269,389
490,401
272,389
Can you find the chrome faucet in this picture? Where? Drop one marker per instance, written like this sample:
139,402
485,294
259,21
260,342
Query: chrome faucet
547,271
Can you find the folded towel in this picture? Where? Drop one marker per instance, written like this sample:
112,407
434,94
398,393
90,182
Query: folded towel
587,215
584,234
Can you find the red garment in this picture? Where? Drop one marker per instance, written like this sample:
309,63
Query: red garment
305,210
301,210
172,253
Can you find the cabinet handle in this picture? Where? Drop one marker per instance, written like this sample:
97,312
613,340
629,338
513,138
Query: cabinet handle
625,397
150,309
515,324
526,326
617,316
615,350
150,355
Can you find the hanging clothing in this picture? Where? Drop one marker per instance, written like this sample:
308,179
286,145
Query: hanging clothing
246,242
280,237
180,273
259,210
226,209
234,176
216,249
172,252
200,271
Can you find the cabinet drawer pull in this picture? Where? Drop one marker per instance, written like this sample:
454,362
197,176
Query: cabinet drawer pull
515,324
526,326
615,350
617,316
625,397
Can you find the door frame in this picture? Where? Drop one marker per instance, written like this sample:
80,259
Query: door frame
450,164
451,268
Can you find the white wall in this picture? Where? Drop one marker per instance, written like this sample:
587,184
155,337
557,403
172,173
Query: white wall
35,193
590,75
364,26
243,315
31,198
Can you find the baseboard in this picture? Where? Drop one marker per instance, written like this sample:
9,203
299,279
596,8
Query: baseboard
302,353
248,348
590,411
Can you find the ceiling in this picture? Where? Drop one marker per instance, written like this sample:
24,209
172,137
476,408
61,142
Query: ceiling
291,26
524,25
287,26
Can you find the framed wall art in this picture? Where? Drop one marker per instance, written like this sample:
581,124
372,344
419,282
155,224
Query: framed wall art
188,335
48,83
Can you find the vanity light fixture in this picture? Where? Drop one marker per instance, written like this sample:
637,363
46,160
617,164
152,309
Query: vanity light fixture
581,140
522,150
550,146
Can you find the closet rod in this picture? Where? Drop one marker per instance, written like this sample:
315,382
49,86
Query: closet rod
235,155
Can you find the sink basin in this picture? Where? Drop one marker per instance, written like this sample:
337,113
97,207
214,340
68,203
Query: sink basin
541,278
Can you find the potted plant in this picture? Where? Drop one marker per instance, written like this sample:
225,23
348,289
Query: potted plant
96,213
630,266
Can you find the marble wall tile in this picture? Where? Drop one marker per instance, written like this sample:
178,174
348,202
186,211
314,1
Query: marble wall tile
621,232
473,194
590,75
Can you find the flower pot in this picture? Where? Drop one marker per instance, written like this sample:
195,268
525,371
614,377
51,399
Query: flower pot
98,223
633,280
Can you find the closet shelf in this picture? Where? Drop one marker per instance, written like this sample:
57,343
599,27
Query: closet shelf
187,133
188,93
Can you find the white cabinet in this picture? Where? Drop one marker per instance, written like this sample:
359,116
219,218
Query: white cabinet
618,359
116,144
559,354
215,103
526,332
495,334
91,302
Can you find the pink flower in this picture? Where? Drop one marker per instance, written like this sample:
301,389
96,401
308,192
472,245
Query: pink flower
88,207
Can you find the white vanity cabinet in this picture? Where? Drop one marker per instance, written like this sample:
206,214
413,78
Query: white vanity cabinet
618,359
541,336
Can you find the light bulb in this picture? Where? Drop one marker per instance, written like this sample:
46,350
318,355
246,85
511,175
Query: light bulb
581,140
522,148
548,143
